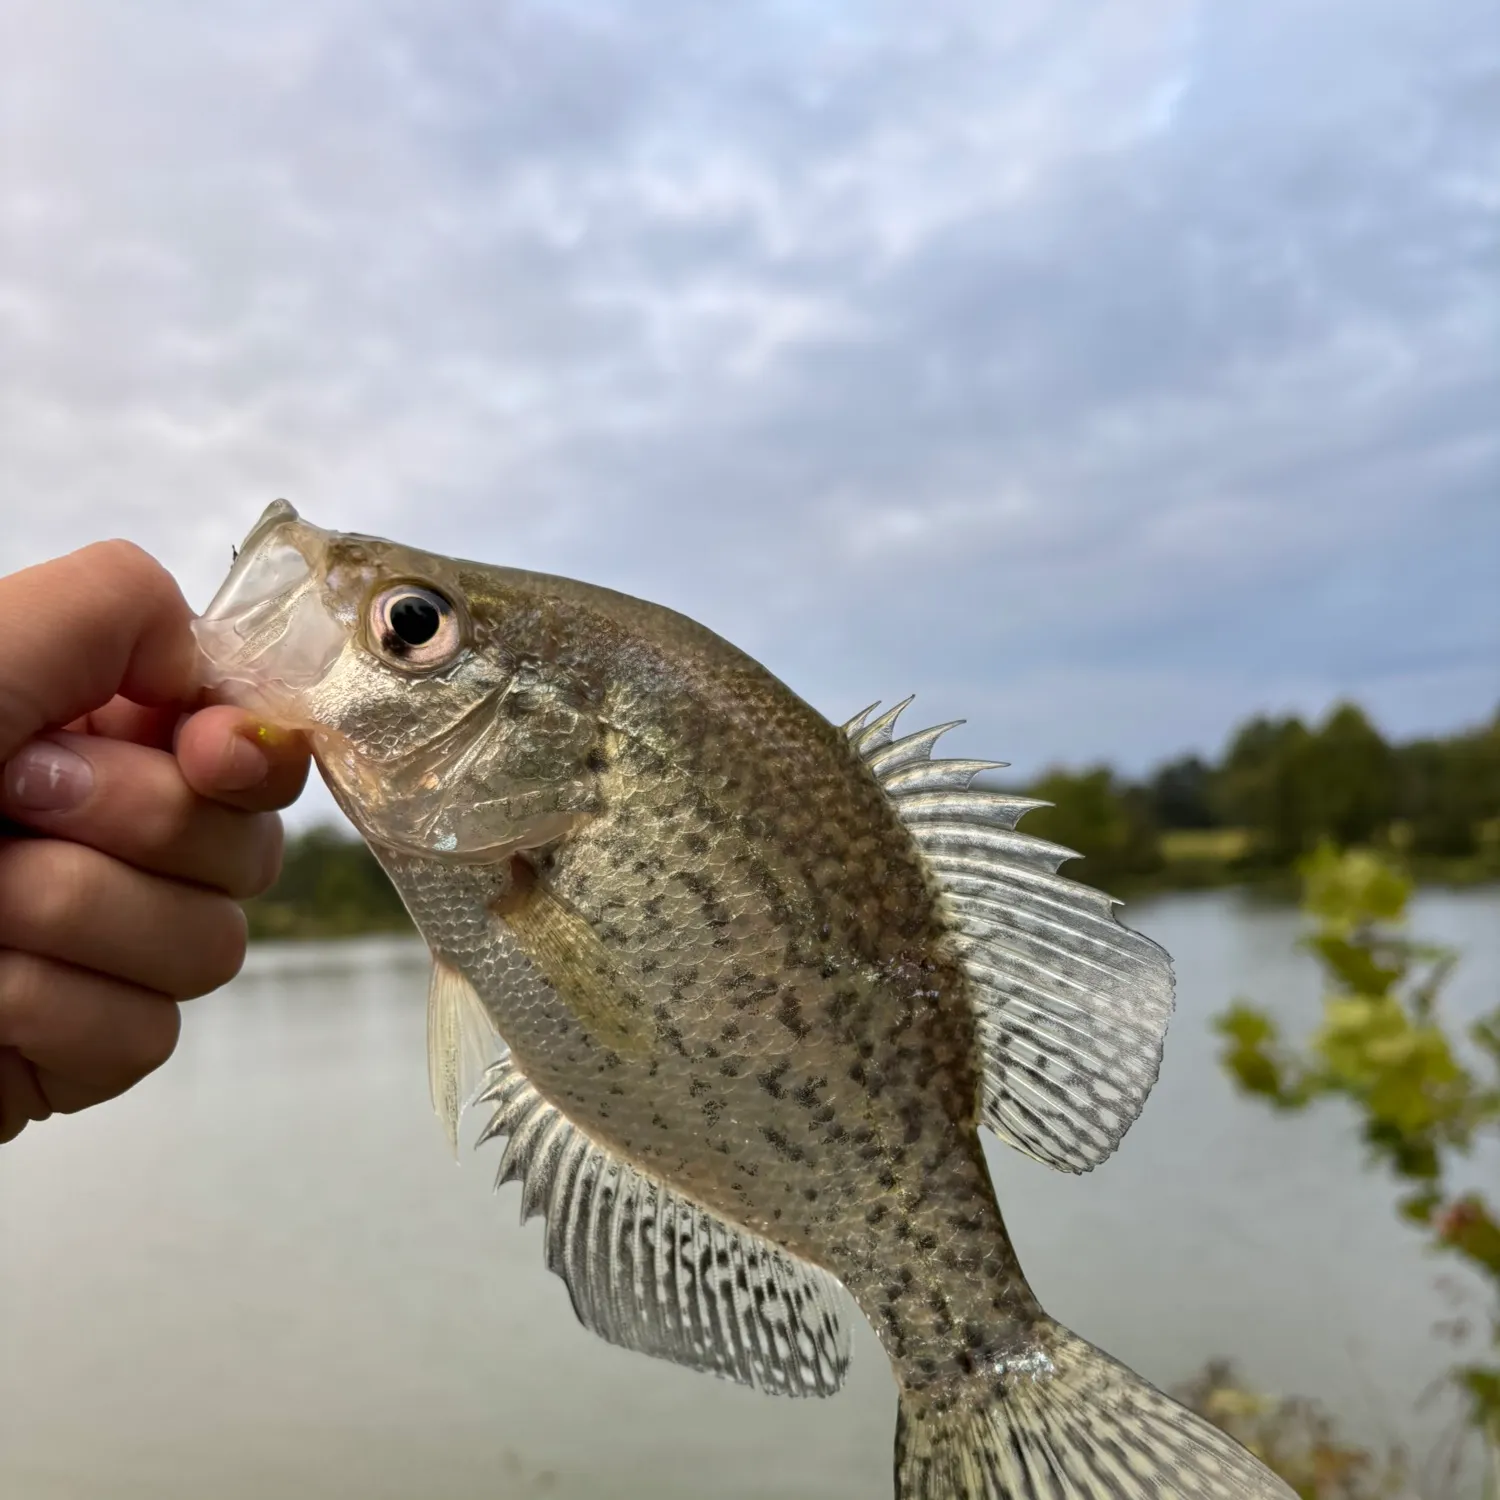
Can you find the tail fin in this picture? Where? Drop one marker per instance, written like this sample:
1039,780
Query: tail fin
1082,1427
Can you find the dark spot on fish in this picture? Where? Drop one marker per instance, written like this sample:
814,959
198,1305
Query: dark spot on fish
807,1094
770,1080
789,1013
788,1150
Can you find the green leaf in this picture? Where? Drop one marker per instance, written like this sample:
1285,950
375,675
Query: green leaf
1482,1385
1354,964
1349,890
1418,1207
1250,1058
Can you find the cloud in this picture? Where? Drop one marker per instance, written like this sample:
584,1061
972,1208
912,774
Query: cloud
1102,373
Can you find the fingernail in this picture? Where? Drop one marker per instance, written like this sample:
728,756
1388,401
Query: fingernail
45,777
245,765
269,737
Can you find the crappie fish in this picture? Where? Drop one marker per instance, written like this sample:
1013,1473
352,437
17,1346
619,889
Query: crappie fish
755,982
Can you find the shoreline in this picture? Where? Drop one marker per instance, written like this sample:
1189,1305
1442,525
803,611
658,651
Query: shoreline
275,923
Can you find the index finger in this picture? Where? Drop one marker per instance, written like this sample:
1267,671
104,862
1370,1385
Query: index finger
106,619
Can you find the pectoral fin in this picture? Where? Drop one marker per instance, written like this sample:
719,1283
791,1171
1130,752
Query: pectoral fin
573,959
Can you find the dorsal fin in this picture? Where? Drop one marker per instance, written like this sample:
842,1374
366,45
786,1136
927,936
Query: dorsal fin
649,1269
1072,1005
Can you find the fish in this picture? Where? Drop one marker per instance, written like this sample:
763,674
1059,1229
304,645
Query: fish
740,988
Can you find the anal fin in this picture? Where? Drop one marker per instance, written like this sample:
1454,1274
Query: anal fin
651,1270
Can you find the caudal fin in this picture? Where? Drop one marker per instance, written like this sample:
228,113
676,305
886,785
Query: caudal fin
1081,1427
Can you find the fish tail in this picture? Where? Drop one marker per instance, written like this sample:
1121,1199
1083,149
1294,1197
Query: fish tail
1080,1426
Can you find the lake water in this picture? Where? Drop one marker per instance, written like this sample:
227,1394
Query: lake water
261,1275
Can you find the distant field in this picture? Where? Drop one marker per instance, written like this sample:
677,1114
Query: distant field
1179,845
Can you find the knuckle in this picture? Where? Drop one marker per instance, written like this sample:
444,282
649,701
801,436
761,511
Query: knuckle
264,866
132,565
24,984
162,822
157,1040
244,855
220,937
47,887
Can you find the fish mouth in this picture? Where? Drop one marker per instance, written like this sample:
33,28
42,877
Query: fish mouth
267,634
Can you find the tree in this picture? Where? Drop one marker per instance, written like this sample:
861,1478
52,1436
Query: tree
1293,787
1424,1096
1181,794
1108,823
1447,789
330,886
1352,779
1265,786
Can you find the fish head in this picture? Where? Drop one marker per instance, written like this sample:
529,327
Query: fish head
417,680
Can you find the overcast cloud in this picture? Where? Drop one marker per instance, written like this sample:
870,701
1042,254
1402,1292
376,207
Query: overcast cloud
1101,372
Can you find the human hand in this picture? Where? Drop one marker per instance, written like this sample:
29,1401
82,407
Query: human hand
143,823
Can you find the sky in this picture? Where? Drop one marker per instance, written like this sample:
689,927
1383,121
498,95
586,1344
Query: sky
1101,372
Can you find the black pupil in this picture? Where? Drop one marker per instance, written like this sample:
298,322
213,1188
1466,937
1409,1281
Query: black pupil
415,619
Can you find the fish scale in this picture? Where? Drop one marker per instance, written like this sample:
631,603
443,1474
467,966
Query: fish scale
755,981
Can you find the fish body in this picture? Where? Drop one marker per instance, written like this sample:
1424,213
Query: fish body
756,982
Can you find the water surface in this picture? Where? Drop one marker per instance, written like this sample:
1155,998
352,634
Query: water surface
260,1273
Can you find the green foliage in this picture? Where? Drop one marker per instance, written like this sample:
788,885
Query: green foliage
1108,823
1181,794
1296,786
1448,789
330,886
1424,1094
1281,789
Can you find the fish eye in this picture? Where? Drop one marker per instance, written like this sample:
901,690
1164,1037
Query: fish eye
414,626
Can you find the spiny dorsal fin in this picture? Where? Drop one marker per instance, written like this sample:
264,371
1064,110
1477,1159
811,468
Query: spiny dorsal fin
460,1038
1072,1005
650,1270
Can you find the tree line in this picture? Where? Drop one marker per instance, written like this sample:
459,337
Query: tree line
1280,789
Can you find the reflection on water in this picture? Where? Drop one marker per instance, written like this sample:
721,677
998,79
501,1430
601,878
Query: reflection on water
261,1274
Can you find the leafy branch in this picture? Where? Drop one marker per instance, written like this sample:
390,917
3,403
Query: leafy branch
1425,1094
